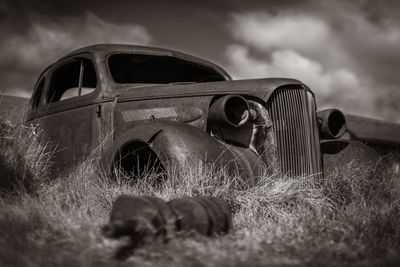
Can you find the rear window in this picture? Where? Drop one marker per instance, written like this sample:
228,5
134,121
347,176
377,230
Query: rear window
138,68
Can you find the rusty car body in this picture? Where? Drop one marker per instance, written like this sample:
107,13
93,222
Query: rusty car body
139,106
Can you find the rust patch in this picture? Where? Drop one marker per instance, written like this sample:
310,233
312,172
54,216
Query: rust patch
149,114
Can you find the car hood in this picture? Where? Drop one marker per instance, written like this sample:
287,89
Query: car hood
261,88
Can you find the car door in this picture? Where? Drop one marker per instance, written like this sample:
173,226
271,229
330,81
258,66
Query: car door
70,119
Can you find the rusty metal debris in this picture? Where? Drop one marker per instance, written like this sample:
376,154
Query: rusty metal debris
205,215
145,219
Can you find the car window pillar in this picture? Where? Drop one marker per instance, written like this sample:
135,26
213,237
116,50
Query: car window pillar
80,78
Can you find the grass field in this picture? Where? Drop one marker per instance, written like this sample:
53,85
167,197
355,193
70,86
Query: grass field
12,108
350,220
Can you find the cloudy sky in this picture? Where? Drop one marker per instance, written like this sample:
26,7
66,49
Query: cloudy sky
346,51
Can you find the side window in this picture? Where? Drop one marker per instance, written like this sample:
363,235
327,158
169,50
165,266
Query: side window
73,79
37,94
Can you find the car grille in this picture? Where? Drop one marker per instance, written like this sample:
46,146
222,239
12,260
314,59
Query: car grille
295,124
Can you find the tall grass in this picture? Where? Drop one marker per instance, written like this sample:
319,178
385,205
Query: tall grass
349,220
24,158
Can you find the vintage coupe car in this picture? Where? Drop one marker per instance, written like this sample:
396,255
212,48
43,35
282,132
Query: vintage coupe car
143,106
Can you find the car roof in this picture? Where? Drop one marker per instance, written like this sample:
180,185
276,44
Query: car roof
102,50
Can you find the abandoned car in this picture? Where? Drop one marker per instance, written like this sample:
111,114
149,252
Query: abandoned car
143,106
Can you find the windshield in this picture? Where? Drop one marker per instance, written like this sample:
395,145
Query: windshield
140,68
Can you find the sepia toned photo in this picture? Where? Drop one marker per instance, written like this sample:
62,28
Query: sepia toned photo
199,133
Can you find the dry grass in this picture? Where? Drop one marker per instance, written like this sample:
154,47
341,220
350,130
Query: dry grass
24,158
350,220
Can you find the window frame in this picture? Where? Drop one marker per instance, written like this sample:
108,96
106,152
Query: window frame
183,58
74,99
37,96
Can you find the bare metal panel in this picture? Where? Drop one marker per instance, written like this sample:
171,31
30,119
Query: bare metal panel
373,131
295,125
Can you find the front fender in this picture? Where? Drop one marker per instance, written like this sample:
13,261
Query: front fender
340,152
180,145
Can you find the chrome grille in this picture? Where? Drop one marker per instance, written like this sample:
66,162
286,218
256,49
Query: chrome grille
295,124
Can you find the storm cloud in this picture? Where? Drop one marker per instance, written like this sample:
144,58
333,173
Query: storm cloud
346,55
346,51
24,53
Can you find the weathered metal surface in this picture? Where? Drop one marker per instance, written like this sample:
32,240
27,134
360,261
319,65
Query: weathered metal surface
73,133
183,114
135,217
333,123
192,215
180,145
219,212
142,219
260,88
375,132
145,219
263,139
339,153
295,124
189,110
204,215
229,120
173,120
105,50
169,217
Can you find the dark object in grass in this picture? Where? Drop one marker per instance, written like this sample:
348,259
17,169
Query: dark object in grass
168,217
146,219
134,217
205,215
140,219
219,212
192,215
